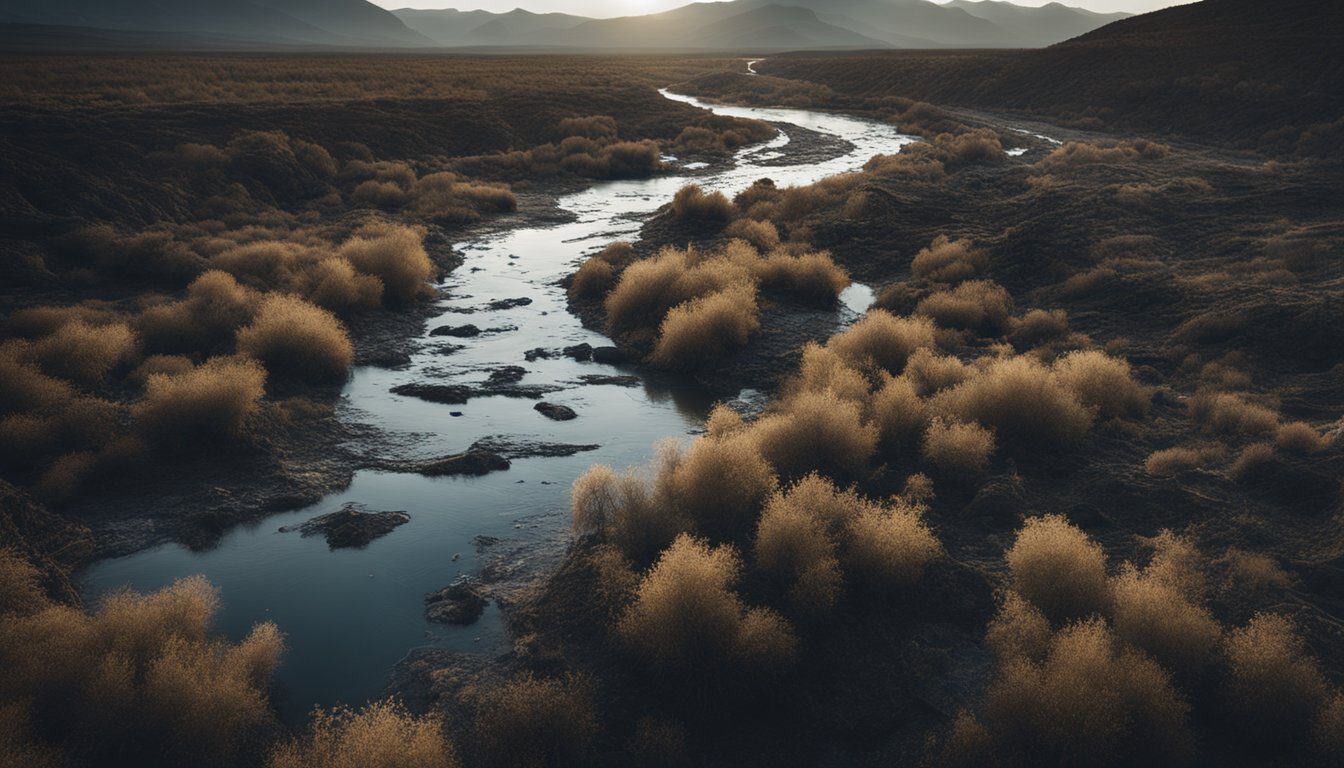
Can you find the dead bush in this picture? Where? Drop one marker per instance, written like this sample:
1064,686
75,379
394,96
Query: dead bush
381,735
762,235
1038,327
1229,413
592,127
1158,610
1298,437
693,204
794,546
981,306
1058,569
1250,461
24,388
930,373
334,284
703,331
882,341
822,370
209,402
898,414
393,253
1103,382
948,261
21,590
530,722
811,277
1275,689
816,432
889,547
592,280
720,484
85,353
624,509
648,289
1170,462
266,264
958,449
1018,631
298,341
216,306
1022,400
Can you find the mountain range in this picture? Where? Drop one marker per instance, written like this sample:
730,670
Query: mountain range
755,25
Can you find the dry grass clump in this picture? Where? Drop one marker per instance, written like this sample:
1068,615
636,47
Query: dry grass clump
719,484
24,388
296,340
1089,701
958,449
810,277
393,253
1075,154
208,402
687,620
930,373
1229,413
1158,608
693,204
624,510
593,279
821,369
704,330
1058,569
1276,691
948,261
85,353
335,285
1169,462
381,735
1250,460
982,306
530,722
1103,382
648,289
889,547
1018,631
1038,327
141,679
898,414
816,432
763,235
1298,437
21,590
882,341
216,305
1022,400
794,544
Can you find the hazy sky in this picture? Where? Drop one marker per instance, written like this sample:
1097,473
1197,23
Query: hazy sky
602,8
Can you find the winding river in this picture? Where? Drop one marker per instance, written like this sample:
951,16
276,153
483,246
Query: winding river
351,615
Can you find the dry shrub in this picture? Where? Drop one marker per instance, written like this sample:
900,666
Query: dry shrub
296,340
958,449
266,264
882,341
794,546
1022,400
529,722
141,680
21,590
334,284
1170,462
948,261
1038,327
693,204
816,432
624,510
155,256
888,548
1298,437
593,280
1229,413
1103,382
1075,154
171,365
215,307
208,402
1018,630
719,484
648,289
1253,573
705,330
65,477
593,126
85,353
763,235
982,306
393,253
821,370
929,372
24,388
898,414
1275,690
1158,608
723,421
1090,701
687,620
381,735
811,277
1058,569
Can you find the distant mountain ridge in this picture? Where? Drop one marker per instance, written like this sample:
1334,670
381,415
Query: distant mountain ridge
741,25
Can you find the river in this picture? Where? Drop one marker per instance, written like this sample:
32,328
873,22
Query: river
350,615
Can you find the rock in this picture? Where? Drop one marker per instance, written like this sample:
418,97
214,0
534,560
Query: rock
475,462
511,448
435,393
509,374
461,604
483,542
540,353
509,303
456,331
610,356
580,352
556,412
388,359
351,526
615,381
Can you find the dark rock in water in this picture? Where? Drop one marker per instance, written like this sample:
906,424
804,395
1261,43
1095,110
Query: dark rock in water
610,356
1001,500
351,526
435,393
556,412
461,604
509,374
509,303
456,331
389,358
483,542
540,353
580,352
475,462
616,381
511,448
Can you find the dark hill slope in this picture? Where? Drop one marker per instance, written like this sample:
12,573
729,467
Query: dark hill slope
1240,73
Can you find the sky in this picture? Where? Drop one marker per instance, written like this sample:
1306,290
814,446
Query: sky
606,8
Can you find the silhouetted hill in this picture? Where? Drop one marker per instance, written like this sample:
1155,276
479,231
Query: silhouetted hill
1033,27
453,28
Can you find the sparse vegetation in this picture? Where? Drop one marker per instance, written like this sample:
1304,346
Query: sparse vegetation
381,735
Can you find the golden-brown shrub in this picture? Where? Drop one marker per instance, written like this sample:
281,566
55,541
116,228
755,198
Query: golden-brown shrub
296,340
882,341
1298,437
381,735
1022,400
816,431
1169,462
1103,382
930,372
215,307
1038,327
20,585
719,484
948,261
761,234
1018,630
592,280
795,548
957,448
1058,569
821,370
334,284
888,548
529,722
393,253
24,388
1232,414
1275,690
171,365
85,353
626,511
693,204
1158,609
704,330
209,402
647,289
687,620
981,306
898,414
810,277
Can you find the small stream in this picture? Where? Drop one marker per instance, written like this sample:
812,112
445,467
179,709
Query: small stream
350,615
